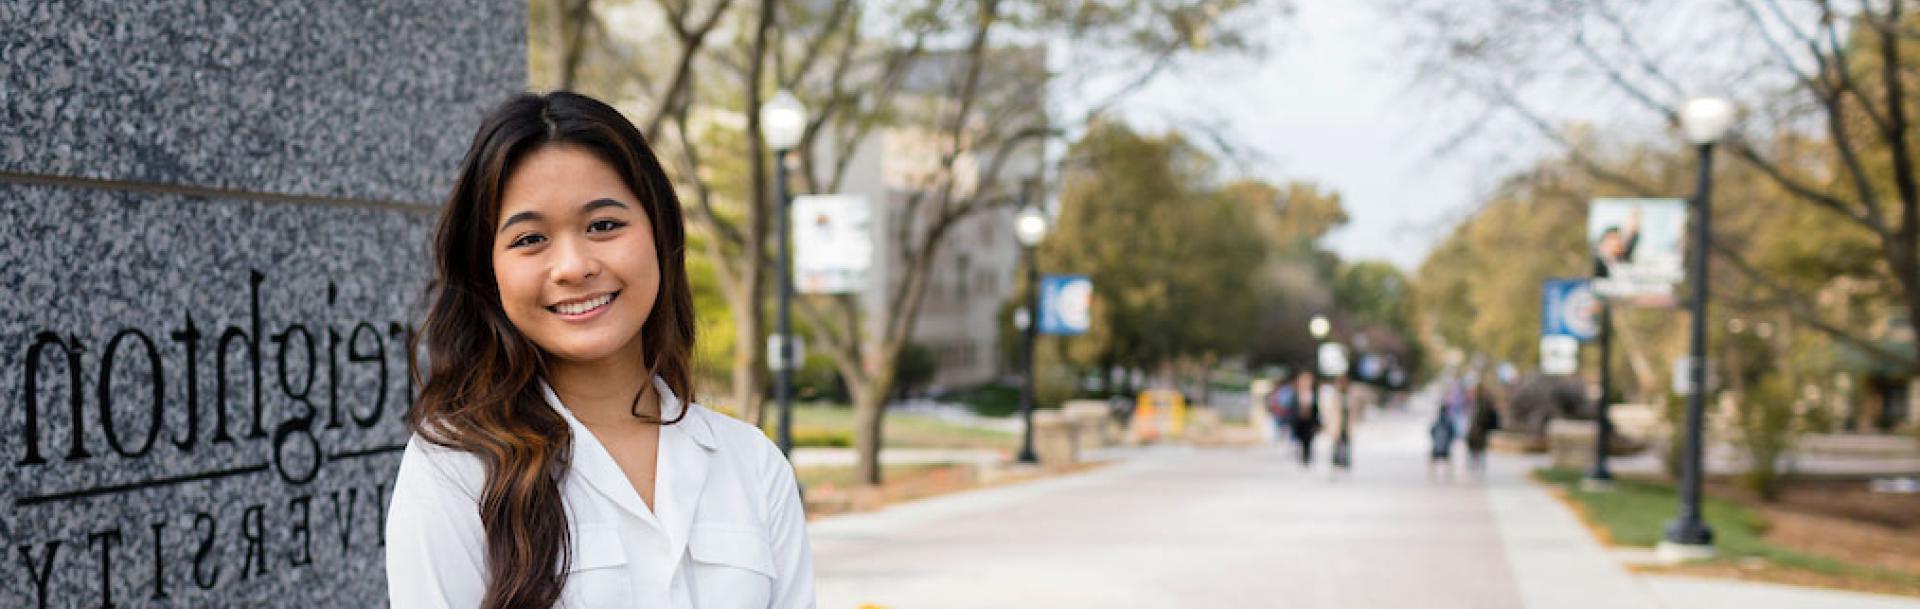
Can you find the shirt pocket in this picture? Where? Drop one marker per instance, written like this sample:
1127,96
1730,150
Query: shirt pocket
732,566
596,569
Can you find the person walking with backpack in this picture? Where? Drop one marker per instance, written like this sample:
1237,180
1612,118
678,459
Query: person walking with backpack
1442,433
1482,419
1305,419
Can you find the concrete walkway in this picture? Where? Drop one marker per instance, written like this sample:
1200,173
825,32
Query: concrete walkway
1222,528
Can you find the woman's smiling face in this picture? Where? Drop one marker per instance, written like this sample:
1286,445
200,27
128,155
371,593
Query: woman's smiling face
573,256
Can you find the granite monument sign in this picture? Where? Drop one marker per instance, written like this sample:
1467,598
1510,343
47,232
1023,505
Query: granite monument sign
213,225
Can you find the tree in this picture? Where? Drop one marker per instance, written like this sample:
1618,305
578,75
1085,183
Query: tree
978,104
1169,255
1480,289
1294,282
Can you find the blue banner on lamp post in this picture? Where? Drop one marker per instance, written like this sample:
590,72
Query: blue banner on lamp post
1568,308
1066,304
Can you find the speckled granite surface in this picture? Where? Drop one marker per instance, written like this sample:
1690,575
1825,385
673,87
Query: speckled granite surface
364,100
213,229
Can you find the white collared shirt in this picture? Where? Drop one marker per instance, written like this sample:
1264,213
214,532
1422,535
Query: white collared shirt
728,530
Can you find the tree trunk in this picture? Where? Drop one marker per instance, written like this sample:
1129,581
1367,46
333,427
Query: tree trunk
749,356
869,410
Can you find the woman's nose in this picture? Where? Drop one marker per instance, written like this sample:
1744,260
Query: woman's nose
573,262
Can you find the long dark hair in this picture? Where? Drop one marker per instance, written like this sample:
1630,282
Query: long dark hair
480,392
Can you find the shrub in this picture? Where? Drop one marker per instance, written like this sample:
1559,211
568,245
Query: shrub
1766,432
1675,415
810,436
990,400
819,380
916,367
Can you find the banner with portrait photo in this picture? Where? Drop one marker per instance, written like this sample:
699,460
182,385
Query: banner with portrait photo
1638,248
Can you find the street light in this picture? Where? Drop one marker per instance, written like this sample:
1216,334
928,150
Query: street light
1319,327
1600,479
782,121
1705,121
1029,229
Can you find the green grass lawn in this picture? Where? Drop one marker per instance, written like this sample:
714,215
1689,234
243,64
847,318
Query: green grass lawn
1636,513
818,424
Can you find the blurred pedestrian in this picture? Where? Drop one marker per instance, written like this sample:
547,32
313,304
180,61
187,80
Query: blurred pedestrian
1483,419
1305,419
1441,456
1341,406
1453,403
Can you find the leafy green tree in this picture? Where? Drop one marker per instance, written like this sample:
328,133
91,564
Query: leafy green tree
1480,289
1169,256
1293,283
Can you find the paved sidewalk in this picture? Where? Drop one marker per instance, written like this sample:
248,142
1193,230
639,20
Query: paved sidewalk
1178,527
1555,561
1222,528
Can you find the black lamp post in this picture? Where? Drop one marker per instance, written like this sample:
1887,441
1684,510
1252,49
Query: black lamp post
1599,478
1029,229
1705,121
782,121
1319,327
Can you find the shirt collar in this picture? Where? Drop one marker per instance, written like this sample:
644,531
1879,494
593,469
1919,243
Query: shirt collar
681,469
693,423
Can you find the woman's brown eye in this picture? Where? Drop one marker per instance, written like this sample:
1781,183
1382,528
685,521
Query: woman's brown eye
604,225
525,240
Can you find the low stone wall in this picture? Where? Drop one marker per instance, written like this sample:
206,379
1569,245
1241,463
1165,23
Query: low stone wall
1093,423
1859,446
1570,443
1055,441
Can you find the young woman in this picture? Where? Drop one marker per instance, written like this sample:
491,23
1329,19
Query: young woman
558,458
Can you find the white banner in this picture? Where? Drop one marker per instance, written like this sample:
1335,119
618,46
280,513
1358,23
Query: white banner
832,243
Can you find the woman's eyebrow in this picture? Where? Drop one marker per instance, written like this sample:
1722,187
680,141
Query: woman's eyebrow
524,216
601,202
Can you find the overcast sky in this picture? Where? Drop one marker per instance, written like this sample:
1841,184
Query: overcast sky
1331,103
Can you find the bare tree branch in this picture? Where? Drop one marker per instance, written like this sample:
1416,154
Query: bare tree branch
1844,68
1780,52
835,20
1796,306
689,161
692,38
1632,42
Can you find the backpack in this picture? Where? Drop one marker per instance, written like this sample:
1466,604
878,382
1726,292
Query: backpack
1280,402
1441,431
